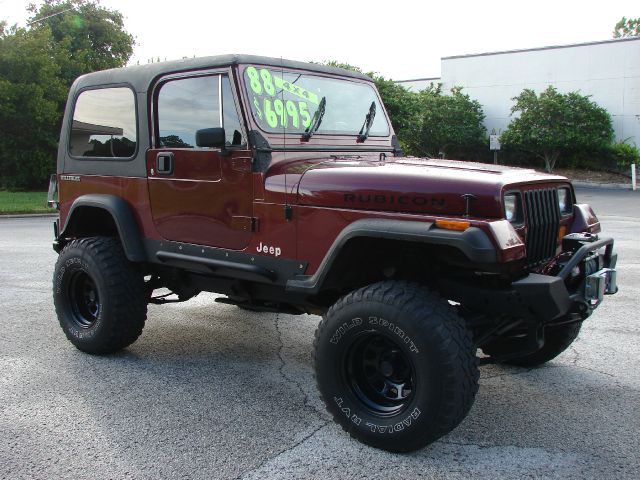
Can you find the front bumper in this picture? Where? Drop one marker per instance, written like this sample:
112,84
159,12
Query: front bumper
585,273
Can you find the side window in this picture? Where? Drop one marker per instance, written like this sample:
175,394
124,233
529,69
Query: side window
187,105
104,124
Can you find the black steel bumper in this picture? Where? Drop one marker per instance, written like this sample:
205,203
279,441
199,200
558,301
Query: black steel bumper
583,278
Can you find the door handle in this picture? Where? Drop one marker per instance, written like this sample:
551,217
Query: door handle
164,163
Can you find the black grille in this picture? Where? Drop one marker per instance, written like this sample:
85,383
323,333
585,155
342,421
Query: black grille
542,215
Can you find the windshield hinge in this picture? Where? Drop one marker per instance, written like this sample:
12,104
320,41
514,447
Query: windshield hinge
288,213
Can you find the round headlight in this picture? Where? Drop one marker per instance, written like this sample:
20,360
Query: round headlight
512,207
564,201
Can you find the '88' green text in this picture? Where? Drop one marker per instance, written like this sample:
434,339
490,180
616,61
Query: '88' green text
276,111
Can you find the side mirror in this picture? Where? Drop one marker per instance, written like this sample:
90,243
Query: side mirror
211,137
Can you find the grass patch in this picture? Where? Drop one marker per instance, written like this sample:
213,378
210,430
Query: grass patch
23,202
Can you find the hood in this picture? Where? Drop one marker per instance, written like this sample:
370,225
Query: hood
413,185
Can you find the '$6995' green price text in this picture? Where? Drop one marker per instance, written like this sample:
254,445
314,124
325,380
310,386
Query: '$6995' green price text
278,111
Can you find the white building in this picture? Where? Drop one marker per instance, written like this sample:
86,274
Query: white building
609,71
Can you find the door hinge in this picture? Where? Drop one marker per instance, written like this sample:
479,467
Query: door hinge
244,224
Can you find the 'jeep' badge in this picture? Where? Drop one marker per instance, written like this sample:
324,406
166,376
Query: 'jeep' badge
269,249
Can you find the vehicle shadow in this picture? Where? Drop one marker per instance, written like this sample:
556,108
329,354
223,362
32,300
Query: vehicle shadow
241,384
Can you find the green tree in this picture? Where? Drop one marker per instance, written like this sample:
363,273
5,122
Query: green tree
90,36
627,27
624,154
65,39
403,107
552,123
447,123
31,92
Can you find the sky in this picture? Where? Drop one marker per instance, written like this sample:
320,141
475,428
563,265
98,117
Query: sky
399,39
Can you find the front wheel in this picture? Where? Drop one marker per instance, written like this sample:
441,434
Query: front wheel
395,365
99,295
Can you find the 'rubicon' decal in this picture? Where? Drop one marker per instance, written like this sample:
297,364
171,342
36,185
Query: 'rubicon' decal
70,178
382,199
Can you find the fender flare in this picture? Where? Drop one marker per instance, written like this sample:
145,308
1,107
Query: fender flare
122,216
472,242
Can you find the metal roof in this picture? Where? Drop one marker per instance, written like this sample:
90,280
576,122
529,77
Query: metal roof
430,79
140,76
537,49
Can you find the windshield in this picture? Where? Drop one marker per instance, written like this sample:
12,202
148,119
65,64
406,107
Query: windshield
289,101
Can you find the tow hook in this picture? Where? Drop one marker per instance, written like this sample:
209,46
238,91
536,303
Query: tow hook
599,284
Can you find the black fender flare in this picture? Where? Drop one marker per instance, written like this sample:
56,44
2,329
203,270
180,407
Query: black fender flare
472,242
122,216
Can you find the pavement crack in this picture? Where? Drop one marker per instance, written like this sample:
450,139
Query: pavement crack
305,397
306,403
284,450
595,371
576,354
576,358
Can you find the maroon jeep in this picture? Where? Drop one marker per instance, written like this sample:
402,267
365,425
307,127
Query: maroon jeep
281,186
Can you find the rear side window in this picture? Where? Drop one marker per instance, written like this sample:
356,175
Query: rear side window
187,105
104,124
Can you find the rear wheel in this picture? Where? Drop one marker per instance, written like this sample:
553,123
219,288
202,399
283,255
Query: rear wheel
99,296
395,365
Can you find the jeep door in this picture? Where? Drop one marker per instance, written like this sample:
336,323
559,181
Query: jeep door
200,195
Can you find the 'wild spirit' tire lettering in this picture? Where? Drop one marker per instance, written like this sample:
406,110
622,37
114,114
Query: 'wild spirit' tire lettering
395,330
344,328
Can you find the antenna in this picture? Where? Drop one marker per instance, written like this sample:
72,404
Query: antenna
52,15
287,208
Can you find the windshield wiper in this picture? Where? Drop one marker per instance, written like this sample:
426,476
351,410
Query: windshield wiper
316,121
368,121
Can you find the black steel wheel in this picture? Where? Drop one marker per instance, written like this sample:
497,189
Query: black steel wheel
395,365
380,374
83,298
99,296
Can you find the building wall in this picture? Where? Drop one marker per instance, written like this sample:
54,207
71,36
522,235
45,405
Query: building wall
609,71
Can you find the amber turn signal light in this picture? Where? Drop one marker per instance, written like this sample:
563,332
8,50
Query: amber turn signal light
457,225
562,231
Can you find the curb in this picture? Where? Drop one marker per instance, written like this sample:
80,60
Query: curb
610,186
29,215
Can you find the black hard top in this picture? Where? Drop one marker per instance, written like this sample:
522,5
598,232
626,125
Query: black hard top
140,76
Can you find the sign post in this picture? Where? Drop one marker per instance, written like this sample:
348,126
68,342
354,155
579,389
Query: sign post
494,145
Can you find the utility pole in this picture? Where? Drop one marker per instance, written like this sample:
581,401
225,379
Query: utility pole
494,145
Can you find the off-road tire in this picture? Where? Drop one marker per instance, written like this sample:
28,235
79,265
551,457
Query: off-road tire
416,331
556,340
99,296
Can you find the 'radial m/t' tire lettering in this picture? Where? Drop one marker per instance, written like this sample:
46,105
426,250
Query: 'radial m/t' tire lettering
99,296
395,365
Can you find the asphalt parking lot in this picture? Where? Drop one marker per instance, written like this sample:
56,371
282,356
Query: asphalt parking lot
211,391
